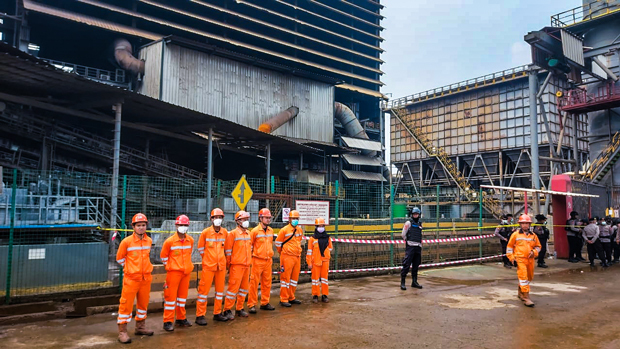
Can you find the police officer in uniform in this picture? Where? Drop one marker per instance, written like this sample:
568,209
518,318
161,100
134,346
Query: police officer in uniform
591,234
540,229
573,235
605,237
412,234
503,232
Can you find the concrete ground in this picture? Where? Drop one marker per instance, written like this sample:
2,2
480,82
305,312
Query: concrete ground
460,307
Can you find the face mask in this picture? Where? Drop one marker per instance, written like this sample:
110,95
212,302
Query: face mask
295,222
604,223
217,222
245,224
182,229
504,222
320,229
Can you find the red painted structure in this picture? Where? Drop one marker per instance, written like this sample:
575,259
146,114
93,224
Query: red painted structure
580,101
562,206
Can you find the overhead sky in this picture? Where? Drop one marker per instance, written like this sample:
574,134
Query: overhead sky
431,43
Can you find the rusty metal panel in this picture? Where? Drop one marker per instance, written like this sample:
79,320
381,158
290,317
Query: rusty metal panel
151,54
246,94
572,47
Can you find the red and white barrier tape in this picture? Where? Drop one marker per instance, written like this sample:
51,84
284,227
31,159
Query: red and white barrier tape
400,242
428,265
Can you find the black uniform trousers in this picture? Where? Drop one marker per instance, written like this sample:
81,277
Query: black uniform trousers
607,250
412,260
504,258
543,250
616,248
574,246
594,249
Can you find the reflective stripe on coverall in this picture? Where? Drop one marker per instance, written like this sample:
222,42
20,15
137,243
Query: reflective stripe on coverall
177,258
134,256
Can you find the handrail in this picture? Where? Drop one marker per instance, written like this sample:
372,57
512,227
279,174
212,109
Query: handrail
583,13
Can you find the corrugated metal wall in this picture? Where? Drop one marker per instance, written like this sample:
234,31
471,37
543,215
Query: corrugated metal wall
241,93
481,120
152,69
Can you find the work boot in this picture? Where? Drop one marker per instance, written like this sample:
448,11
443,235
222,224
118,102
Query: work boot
201,321
141,329
573,260
402,283
542,265
506,265
183,323
324,299
526,300
252,310
581,259
123,337
520,293
220,317
267,307
168,326
315,299
242,313
295,301
414,283
229,315
285,304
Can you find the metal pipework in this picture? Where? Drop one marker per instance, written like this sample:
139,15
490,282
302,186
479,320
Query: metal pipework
278,120
123,54
351,124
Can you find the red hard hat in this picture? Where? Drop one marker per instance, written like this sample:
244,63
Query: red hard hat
319,221
264,212
182,220
294,214
217,212
241,214
139,218
525,219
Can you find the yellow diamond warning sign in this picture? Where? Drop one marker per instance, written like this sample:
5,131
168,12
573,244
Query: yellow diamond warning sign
242,193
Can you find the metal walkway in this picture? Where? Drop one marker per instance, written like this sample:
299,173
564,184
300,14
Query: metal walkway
605,161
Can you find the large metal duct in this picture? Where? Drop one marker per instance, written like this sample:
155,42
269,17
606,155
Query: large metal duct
123,54
351,124
278,120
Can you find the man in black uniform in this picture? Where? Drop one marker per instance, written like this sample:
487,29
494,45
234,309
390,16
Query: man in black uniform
540,229
503,232
573,234
412,234
615,243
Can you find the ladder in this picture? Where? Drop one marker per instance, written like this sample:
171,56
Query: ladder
449,166
604,161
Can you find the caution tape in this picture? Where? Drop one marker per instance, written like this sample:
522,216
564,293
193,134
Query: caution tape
390,242
428,265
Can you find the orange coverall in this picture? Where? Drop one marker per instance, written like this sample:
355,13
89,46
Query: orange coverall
262,253
134,255
519,247
320,266
290,260
176,254
238,250
211,248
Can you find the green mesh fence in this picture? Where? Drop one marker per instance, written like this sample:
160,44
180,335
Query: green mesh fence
62,240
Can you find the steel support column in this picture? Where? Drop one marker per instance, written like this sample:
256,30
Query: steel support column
118,111
209,170
533,82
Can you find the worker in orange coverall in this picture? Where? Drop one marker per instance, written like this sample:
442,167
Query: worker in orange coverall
523,247
317,258
176,255
238,250
134,256
288,245
262,252
211,248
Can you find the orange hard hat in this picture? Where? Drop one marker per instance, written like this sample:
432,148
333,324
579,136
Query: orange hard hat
525,219
319,221
182,220
294,214
139,218
264,212
241,215
217,212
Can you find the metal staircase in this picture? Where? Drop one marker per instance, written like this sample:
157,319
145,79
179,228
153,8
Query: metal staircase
78,139
449,166
604,161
